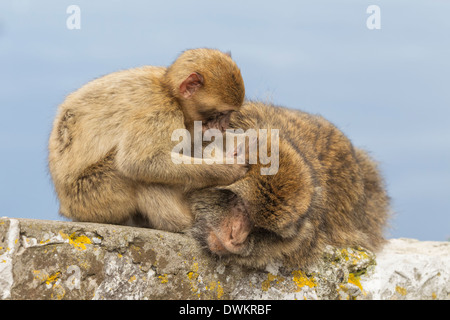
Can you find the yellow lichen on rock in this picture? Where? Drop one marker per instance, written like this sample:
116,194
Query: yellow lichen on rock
215,287
79,242
193,276
355,254
400,290
354,279
266,283
301,279
53,278
219,290
163,278
58,292
270,278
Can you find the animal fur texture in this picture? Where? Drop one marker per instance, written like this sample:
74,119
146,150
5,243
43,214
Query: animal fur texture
326,192
110,146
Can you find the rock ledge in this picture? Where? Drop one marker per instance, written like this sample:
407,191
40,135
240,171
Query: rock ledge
65,260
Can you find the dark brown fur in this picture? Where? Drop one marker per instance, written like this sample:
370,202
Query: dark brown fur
326,192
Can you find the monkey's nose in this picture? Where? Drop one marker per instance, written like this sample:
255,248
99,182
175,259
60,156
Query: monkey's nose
239,232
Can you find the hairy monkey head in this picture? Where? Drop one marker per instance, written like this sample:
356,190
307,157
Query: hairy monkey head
208,85
222,223
259,218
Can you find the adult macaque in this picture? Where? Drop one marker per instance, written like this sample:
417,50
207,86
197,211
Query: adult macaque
110,147
326,192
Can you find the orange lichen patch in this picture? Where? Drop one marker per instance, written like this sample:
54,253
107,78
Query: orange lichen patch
400,290
163,278
270,278
192,275
355,254
53,278
301,279
216,287
78,242
354,279
266,283
193,279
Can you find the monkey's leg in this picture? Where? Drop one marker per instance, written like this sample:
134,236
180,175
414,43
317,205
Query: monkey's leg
99,194
164,207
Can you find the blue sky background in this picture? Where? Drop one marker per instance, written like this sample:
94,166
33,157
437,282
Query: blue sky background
388,89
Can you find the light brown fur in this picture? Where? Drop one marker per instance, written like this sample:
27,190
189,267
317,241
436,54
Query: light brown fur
110,147
326,192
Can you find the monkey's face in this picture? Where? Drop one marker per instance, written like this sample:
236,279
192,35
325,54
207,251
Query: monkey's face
216,120
212,103
222,225
253,221
230,235
210,118
213,113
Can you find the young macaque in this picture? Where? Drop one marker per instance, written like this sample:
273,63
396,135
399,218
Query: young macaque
110,147
326,192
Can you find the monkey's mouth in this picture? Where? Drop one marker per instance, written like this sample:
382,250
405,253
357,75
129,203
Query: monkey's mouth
214,125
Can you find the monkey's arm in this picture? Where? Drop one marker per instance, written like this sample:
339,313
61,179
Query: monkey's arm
160,169
144,153
148,157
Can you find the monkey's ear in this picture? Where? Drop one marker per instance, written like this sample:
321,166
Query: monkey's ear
191,84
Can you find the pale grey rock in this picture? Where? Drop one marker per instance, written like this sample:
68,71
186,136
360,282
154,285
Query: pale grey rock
66,260
411,269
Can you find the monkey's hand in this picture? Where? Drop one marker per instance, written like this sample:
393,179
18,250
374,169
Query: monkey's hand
245,152
232,171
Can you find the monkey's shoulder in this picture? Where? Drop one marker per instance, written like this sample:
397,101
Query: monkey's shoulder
133,74
122,83
261,115
124,94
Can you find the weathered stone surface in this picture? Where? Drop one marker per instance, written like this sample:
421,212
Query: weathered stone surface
411,269
64,260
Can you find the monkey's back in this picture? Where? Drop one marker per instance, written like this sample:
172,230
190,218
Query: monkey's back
325,192
92,120
87,132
